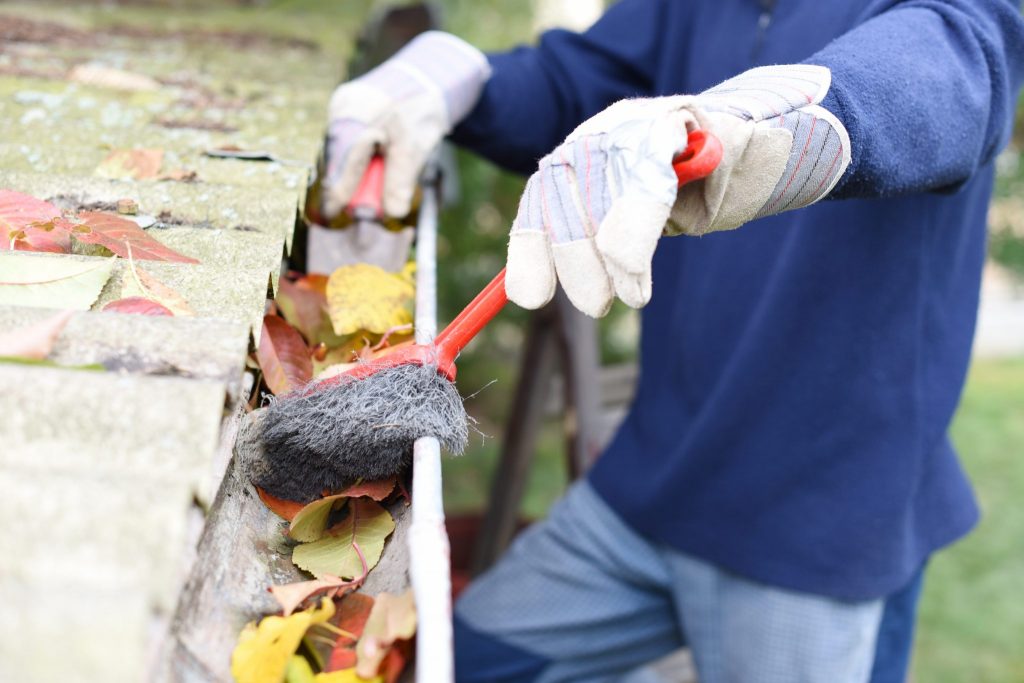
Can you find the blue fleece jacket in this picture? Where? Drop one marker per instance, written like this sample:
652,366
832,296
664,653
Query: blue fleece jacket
798,375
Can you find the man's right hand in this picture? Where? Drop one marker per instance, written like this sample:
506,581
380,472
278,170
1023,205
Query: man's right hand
404,107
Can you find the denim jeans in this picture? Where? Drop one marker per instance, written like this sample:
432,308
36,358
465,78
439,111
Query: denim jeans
581,597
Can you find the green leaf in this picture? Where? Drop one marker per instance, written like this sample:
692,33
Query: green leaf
310,522
367,525
299,670
51,282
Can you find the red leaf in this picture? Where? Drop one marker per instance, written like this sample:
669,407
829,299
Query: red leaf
395,660
285,509
352,614
30,224
377,490
283,356
116,234
138,305
341,658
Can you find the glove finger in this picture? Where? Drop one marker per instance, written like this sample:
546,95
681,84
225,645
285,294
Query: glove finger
629,233
634,289
529,271
345,168
402,168
583,276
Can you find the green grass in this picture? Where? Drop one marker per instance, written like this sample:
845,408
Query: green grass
972,611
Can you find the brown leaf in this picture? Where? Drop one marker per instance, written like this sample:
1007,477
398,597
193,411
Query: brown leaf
291,595
120,234
131,164
283,356
181,175
377,490
34,341
142,283
115,79
30,224
315,282
138,305
285,509
393,618
306,309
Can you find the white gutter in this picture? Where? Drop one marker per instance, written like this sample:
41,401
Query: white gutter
429,550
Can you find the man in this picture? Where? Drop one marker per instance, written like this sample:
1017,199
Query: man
785,472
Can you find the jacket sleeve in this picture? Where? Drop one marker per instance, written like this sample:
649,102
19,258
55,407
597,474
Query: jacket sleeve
538,95
927,91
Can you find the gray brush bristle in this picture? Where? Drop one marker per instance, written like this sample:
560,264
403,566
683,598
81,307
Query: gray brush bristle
328,438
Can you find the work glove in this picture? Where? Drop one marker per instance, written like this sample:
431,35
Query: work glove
592,214
404,108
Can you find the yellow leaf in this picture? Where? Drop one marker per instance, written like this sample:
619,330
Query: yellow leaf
263,652
365,297
408,272
299,670
393,617
345,676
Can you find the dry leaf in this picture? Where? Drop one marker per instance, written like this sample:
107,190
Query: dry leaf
142,283
285,509
53,282
311,521
365,297
377,490
291,595
345,547
353,613
30,224
137,305
305,307
180,175
393,618
283,356
263,652
346,676
34,341
131,164
124,238
115,79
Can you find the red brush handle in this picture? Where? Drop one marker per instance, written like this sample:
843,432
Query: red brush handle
701,157
367,202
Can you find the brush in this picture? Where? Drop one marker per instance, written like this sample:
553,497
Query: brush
362,424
